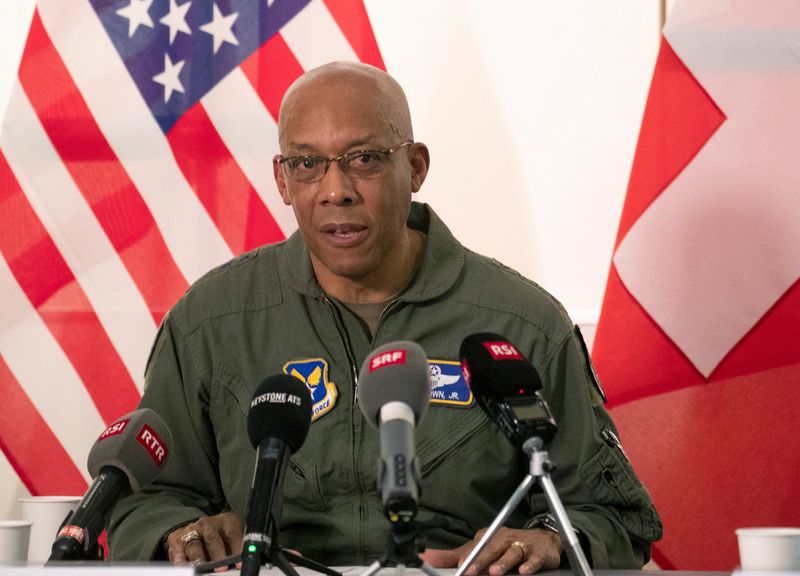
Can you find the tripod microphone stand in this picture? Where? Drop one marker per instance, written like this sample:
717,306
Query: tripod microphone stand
403,548
282,559
268,553
540,467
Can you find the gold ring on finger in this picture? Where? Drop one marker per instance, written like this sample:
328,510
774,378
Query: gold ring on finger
523,548
191,536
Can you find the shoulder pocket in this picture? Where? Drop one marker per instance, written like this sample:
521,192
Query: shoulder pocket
611,479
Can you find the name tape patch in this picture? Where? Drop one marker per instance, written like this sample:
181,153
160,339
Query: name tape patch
448,385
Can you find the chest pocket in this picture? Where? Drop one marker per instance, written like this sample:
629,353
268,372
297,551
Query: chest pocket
443,431
229,403
229,406
468,467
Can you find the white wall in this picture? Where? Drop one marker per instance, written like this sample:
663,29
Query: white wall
531,110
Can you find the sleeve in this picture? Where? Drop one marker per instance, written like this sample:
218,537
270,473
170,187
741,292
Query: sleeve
605,501
188,487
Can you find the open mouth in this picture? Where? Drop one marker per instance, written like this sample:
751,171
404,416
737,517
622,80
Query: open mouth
344,233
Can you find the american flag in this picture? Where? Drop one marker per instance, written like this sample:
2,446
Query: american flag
135,155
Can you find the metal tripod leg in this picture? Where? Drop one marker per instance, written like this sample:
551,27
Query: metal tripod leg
502,516
539,469
402,551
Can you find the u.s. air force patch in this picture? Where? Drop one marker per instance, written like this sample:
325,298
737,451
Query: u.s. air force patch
314,372
447,384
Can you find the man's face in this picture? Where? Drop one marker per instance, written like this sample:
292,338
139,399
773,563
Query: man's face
355,228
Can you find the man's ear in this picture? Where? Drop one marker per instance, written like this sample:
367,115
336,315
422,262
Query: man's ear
420,159
280,180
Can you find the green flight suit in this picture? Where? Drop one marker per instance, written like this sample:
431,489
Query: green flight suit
264,313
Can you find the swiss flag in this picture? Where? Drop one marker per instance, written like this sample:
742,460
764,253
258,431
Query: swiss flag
698,343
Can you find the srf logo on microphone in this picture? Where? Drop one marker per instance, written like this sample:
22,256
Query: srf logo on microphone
148,438
388,358
503,351
114,429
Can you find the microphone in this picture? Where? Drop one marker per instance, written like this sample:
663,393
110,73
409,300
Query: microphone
128,454
394,391
507,387
277,424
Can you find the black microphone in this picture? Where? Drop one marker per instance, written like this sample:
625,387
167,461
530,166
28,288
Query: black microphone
278,423
394,391
128,455
506,386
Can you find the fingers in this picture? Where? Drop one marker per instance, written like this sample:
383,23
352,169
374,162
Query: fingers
194,547
175,546
527,550
513,555
208,539
546,556
441,558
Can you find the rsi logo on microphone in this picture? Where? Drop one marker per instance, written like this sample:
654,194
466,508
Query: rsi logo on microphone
503,351
74,532
388,358
148,438
114,429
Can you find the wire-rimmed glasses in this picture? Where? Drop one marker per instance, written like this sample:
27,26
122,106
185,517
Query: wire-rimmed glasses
360,163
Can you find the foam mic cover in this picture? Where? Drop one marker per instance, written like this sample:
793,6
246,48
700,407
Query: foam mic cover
129,454
277,424
280,408
137,444
494,368
394,372
505,386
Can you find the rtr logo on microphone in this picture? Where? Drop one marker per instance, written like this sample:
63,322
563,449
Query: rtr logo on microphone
114,429
153,444
389,358
503,351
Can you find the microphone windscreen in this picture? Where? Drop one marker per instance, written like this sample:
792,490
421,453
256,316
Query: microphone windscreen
394,372
137,444
280,408
494,368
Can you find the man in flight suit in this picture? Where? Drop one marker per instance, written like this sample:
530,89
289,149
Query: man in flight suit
366,267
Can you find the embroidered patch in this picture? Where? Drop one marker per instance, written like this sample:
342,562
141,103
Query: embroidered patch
447,384
314,372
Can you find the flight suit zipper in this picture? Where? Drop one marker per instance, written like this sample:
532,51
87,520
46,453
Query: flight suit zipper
386,309
348,347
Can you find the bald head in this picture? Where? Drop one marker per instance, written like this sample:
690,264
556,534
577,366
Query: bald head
353,83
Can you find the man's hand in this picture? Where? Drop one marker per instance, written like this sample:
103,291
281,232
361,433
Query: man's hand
529,550
208,539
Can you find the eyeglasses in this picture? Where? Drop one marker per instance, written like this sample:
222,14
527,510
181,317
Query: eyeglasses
361,164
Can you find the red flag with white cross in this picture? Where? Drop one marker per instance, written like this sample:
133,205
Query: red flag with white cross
698,343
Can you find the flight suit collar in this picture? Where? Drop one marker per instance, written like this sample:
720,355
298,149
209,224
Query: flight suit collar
442,260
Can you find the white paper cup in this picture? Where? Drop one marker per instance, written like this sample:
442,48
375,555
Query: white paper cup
14,535
46,513
775,549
